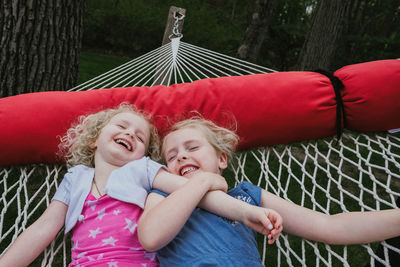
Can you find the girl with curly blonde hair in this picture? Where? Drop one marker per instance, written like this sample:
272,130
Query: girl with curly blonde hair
75,145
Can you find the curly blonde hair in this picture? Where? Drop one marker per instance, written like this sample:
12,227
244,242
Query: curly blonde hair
222,139
76,145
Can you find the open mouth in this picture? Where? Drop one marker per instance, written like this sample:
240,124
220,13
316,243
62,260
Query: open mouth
188,169
124,143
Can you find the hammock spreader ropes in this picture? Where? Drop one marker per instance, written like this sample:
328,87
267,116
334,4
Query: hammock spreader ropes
173,63
362,172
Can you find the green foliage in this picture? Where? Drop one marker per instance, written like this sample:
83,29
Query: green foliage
219,28
286,35
122,27
134,27
94,64
371,33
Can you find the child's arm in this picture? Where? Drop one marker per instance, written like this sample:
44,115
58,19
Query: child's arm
343,228
231,208
162,220
36,237
174,210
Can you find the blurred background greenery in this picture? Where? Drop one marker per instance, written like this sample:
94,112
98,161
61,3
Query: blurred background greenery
43,43
132,28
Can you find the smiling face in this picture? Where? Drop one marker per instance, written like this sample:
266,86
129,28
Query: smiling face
187,150
123,139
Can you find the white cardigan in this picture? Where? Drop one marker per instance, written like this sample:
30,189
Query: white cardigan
131,183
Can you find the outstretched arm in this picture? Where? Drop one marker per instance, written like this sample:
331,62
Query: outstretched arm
36,237
343,228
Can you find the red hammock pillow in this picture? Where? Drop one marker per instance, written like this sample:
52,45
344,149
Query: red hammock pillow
270,109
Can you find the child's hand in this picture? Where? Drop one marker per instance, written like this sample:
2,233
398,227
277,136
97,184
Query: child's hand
215,181
265,221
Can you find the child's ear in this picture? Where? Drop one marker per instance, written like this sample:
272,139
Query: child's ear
223,161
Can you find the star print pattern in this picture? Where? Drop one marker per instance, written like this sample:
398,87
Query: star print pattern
80,255
113,264
109,241
92,204
93,233
101,214
108,235
150,255
116,212
75,245
130,225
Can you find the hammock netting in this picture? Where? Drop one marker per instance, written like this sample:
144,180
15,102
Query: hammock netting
361,172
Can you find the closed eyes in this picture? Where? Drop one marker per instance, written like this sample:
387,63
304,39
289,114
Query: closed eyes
140,138
172,157
193,148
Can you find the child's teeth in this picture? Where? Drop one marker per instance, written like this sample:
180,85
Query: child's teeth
186,170
124,143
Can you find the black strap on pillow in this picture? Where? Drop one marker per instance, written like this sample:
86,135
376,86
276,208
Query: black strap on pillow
337,86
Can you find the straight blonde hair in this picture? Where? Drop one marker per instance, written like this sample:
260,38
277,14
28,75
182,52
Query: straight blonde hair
221,139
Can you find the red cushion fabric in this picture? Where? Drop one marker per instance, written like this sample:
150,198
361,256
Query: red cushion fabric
270,109
371,95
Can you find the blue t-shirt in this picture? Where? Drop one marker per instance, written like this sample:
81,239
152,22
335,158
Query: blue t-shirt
209,240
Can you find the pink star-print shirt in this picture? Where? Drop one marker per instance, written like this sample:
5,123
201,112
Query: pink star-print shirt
105,235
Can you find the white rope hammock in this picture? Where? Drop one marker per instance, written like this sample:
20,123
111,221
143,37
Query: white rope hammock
165,65
362,172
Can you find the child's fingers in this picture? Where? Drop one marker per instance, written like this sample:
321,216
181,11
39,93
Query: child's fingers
267,226
276,219
267,222
273,236
262,224
261,229
271,239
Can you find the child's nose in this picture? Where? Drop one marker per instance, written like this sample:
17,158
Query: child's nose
183,156
131,135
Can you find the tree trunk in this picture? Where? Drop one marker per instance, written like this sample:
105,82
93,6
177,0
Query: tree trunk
40,44
321,41
257,30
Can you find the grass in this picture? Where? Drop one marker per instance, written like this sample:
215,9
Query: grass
93,64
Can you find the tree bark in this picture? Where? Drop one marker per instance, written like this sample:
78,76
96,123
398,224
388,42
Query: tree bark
321,41
40,44
257,30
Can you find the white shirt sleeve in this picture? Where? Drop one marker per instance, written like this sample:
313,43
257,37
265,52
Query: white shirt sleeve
63,192
132,182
